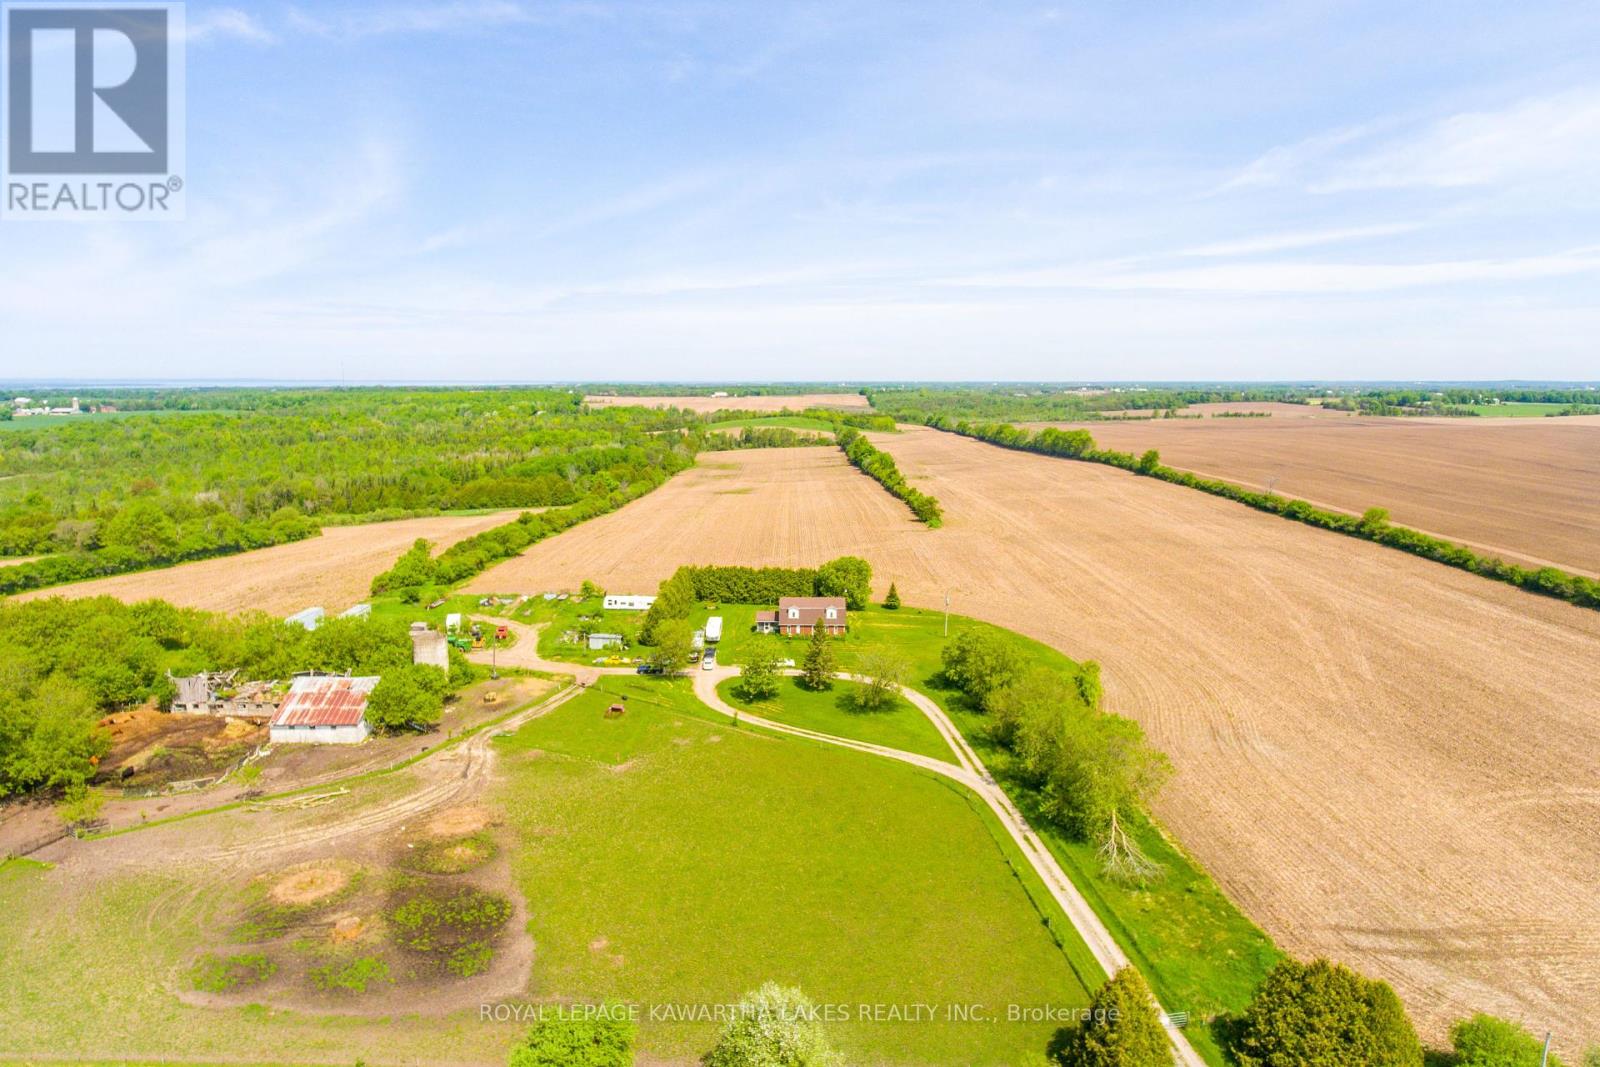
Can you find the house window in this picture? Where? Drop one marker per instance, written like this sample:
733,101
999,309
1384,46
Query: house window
832,614
794,613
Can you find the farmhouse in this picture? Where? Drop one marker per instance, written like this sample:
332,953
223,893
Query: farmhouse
325,711
798,616
629,603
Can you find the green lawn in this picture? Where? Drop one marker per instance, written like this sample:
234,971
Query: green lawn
831,711
669,857
45,422
1518,410
792,422
1199,951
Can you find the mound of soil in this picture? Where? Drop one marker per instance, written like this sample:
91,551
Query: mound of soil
308,886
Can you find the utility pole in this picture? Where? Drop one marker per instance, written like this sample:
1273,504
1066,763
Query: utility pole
947,613
1544,1060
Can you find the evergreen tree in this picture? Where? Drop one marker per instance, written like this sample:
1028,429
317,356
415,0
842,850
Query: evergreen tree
1321,1014
817,671
1121,1029
892,601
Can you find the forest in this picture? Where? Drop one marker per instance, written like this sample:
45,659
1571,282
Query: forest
110,494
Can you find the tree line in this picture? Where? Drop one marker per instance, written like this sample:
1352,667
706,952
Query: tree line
105,496
1373,525
881,466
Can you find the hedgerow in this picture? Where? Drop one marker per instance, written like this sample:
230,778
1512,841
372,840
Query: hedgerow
1373,525
881,466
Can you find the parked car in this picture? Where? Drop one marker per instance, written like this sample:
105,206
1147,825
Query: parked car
710,661
647,668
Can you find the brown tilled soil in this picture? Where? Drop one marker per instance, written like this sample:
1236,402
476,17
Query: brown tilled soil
309,885
1524,489
704,404
334,570
1382,759
150,747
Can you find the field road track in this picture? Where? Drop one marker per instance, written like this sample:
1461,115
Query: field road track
972,774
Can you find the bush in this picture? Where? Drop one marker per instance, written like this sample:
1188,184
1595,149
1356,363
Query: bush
1485,1041
892,601
1321,1014
1122,1029
775,1026
600,1038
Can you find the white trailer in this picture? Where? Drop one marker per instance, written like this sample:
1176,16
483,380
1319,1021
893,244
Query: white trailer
629,603
452,622
714,629
359,611
310,618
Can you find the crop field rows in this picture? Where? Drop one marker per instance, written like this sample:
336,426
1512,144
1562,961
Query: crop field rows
1525,489
1307,687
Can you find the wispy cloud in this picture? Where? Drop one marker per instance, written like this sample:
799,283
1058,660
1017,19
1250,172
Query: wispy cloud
227,23
1306,278
1548,137
1283,242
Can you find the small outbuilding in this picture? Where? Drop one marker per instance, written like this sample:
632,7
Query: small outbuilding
323,711
310,618
600,642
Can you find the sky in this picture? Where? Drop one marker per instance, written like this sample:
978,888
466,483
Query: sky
700,191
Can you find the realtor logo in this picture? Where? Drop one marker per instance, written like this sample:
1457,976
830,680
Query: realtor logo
93,110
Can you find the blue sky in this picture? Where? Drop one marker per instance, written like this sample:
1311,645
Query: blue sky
489,189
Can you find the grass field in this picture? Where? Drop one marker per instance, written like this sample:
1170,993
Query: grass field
670,858
1517,410
831,711
791,422
43,422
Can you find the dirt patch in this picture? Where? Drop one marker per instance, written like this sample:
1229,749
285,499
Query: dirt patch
348,928
151,748
459,821
309,886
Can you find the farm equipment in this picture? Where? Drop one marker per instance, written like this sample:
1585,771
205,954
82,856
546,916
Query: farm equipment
463,643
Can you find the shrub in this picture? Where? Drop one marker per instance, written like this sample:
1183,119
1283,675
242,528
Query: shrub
1122,1029
353,976
1485,1041
600,1038
775,1026
1321,1014
218,974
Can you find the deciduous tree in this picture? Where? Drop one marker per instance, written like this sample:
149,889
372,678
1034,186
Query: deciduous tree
775,1026
1121,1028
1322,1014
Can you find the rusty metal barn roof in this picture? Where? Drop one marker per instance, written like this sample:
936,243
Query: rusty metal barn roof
325,702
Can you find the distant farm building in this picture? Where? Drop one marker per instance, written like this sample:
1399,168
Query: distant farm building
213,693
798,616
629,603
358,611
310,618
429,646
323,711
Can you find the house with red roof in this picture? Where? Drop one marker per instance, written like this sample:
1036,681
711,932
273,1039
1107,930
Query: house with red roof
799,616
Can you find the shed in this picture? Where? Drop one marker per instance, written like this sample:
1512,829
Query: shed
358,611
597,642
325,711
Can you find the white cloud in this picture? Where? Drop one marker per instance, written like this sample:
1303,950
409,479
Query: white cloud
227,22
1281,242
1549,137
1307,278
461,15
